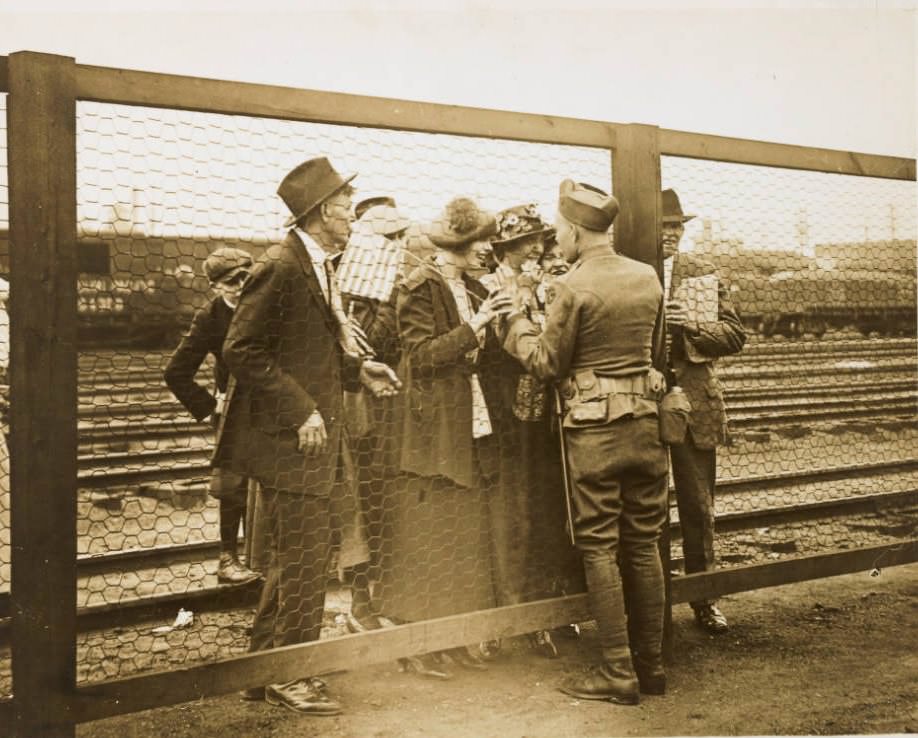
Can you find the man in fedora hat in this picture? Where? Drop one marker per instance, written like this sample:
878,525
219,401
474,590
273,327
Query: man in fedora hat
226,269
694,347
290,351
601,340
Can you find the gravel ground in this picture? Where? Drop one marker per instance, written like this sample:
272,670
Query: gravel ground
833,656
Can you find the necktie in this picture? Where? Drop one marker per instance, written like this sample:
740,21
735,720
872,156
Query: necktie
345,337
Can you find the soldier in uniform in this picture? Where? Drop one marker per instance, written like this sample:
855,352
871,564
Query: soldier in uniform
601,335
694,347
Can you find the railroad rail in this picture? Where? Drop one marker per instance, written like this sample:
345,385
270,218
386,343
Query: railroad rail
792,497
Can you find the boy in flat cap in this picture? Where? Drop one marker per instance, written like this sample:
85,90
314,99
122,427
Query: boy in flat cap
226,270
601,340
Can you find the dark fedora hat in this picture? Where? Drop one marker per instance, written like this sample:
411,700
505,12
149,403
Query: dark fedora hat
308,185
587,206
462,223
672,208
519,222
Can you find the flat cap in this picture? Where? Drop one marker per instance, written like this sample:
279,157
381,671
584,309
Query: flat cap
225,262
586,206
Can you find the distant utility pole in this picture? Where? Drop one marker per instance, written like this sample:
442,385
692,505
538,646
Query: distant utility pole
892,222
803,232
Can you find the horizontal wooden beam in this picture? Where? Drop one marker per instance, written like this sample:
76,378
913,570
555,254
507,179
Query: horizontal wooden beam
710,585
348,652
129,87
785,156
130,694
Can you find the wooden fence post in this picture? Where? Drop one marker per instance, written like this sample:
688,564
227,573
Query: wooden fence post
41,119
636,185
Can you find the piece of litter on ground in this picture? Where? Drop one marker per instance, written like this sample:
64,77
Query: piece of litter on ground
182,620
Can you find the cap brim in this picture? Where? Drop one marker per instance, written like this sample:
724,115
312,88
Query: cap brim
390,228
294,218
677,218
230,273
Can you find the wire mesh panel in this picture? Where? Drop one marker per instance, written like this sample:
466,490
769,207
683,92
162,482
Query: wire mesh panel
177,211
818,271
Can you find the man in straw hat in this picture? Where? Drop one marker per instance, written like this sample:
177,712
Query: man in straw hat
601,339
694,346
367,275
290,352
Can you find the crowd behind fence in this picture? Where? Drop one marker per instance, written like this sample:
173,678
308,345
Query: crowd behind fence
819,457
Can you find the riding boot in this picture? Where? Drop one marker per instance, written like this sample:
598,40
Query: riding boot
614,679
642,577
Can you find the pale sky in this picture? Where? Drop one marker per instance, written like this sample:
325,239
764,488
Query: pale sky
842,75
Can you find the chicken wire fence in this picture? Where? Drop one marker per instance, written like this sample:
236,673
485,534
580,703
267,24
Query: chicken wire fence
821,400
819,269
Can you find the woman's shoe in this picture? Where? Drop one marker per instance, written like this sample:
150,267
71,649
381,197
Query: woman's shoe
423,666
542,644
489,649
466,660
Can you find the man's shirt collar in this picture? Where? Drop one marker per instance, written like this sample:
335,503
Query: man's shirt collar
317,254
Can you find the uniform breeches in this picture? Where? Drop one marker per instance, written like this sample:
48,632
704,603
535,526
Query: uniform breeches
618,478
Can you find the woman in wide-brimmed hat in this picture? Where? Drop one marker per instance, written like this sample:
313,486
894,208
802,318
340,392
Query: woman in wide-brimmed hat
438,537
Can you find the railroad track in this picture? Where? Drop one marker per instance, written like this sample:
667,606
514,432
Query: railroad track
829,490
184,574
133,432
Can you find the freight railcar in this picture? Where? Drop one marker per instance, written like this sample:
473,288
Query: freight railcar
139,291
796,303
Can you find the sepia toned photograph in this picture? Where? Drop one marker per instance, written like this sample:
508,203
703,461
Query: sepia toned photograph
527,370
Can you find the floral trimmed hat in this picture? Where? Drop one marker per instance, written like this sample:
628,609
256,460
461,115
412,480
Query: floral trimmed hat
518,222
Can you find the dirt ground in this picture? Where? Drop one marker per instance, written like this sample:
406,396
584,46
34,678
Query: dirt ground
832,656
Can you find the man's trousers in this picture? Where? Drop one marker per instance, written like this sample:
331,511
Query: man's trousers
694,471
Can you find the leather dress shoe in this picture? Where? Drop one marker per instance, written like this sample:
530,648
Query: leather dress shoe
542,644
463,658
361,623
305,696
231,571
711,619
597,685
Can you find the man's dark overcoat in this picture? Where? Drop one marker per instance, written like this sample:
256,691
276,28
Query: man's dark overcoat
283,351
205,336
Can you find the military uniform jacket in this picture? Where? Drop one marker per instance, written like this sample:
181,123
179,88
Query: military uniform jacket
602,318
283,352
437,401
205,336
708,419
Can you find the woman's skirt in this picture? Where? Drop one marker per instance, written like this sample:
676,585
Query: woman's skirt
436,558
